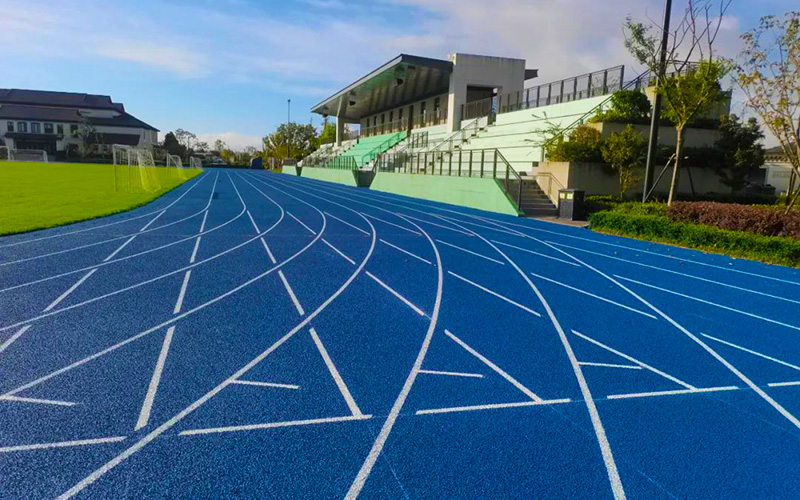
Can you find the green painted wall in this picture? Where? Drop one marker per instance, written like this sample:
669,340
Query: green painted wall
472,192
325,174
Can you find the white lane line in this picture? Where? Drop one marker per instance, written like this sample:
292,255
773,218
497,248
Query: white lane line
301,223
638,250
147,406
119,249
60,444
194,251
345,222
703,301
291,293
182,294
396,294
155,433
203,224
345,257
610,463
634,360
609,365
480,287
766,397
783,384
495,406
691,276
516,383
351,403
671,393
269,252
775,360
386,429
69,291
391,224
593,295
151,222
452,374
470,252
14,337
252,221
273,425
266,384
406,252
20,399
437,225
537,253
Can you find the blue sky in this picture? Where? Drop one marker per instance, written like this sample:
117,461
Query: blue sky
225,68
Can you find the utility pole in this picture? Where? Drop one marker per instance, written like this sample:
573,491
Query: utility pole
652,145
288,120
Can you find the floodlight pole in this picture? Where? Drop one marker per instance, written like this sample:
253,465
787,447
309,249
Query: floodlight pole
652,145
288,120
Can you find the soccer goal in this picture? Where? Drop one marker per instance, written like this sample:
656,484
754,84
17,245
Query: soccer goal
195,162
27,155
134,169
174,161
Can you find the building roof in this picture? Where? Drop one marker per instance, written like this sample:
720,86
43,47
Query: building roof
67,115
66,99
775,154
404,79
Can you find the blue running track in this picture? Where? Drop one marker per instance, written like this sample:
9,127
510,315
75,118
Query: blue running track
252,335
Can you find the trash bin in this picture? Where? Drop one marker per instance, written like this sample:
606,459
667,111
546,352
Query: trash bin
570,204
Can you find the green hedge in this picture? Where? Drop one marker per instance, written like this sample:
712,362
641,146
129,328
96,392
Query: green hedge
776,250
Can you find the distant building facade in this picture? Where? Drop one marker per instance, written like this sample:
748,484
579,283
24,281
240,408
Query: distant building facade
51,121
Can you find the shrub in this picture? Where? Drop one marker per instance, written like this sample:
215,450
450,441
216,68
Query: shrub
758,220
583,145
777,250
626,152
627,106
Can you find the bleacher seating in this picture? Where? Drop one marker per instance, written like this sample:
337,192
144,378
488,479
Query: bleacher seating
375,143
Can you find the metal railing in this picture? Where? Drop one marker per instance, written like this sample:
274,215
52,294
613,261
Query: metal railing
426,119
483,163
342,162
549,182
458,137
384,146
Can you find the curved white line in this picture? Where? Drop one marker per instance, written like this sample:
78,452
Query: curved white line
199,178
94,476
386,429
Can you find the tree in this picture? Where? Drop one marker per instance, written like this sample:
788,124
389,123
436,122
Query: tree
87,136
768,71
172,146
219,145
292,136
740,152
583,145
692,83
201,146
626,152
627,106
328,133
185,138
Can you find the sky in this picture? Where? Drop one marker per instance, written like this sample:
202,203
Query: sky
226,68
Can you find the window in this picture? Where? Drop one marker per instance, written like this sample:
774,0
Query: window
391,116
400,114
383,118
48,128
36,128
60,129
73,129
22,127
10,126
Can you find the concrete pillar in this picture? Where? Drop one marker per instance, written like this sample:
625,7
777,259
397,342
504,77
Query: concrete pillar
339,131
456,97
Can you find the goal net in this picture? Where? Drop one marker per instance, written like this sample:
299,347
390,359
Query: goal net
174,161
135,170
195,162
27,155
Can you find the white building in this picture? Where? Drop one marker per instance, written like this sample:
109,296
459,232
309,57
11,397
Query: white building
37,119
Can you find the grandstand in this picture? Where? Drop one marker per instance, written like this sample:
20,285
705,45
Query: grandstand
468,116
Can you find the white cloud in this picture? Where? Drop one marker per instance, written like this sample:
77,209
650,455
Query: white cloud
234,140
177,60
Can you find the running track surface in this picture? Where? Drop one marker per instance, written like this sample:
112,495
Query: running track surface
254,335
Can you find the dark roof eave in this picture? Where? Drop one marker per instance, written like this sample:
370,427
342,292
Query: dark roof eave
402,58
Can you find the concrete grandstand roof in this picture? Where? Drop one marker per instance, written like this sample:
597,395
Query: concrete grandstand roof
404,79
66,99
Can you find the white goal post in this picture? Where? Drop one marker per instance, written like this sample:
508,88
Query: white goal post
27,155
195,162
174,161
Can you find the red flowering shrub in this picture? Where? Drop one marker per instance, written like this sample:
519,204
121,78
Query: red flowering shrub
758,220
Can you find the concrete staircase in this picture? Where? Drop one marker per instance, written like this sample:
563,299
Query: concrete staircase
535,202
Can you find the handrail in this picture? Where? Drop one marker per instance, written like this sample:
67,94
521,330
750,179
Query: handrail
550,179
462,131
341,162
383,146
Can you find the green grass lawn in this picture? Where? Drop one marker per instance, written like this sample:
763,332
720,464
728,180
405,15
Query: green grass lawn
41,195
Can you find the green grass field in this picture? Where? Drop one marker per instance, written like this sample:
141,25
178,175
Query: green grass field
41,195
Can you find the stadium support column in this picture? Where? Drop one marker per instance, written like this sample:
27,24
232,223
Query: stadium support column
340,122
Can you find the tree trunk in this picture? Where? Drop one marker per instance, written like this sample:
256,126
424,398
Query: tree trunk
678,150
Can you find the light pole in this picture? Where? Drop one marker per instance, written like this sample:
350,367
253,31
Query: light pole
652,146
288,120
